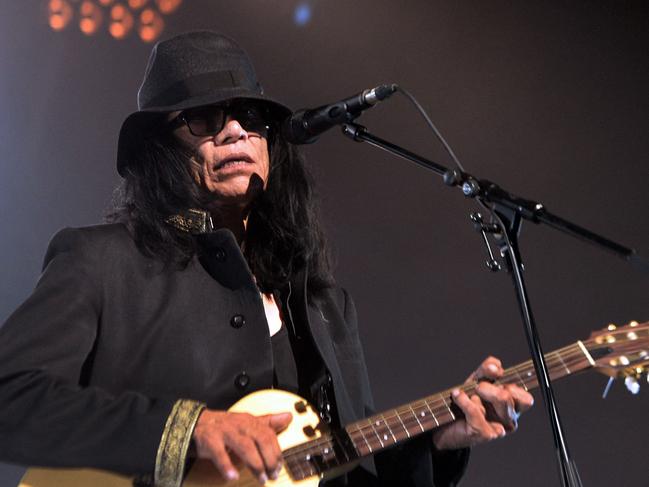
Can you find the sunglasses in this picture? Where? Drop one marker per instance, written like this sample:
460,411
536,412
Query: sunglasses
210,119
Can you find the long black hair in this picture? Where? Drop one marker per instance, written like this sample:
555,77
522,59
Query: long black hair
284,234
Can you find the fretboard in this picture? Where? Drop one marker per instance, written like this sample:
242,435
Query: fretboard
394,426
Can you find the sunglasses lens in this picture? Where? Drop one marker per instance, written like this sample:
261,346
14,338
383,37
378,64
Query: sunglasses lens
252,118
205,120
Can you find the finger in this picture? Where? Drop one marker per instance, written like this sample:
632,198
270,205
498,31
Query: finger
498,429
246,450
475,416
500,404
270,453
221,459
474,411
490,368
523,400
278,422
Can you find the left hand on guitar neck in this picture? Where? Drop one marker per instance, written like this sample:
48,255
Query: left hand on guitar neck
490,413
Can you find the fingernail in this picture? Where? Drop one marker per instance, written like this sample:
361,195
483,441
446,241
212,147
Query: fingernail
263,478
455,392
276,472
492,368
232,474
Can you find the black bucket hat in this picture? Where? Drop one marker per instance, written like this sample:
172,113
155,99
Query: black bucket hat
186,71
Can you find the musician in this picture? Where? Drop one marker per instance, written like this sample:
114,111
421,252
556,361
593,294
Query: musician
211,281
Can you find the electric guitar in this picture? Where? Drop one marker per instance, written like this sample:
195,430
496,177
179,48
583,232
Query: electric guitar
311,452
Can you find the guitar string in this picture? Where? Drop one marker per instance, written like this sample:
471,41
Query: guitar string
574,356
434,400
511,373
412,425
569,355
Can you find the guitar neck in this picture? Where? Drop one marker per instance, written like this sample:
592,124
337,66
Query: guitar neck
376,433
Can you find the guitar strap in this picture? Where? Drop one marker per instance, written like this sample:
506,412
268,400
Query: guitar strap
314,380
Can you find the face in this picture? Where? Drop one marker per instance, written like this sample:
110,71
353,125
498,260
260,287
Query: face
232,164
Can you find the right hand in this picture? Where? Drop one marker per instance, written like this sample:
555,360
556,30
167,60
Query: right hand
253,439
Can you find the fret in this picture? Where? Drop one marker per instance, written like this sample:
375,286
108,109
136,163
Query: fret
360,430
563,363
431,412
401,421
415,415
520,379
387,424
378,423
447,407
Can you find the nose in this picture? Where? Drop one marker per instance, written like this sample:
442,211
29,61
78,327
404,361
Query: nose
231,132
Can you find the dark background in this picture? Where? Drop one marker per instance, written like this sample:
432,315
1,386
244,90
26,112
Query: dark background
549,98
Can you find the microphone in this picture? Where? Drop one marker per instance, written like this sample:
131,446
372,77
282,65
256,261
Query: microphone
304,126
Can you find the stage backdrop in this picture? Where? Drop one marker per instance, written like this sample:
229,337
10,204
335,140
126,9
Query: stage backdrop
547,98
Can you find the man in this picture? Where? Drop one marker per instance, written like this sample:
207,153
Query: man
212,282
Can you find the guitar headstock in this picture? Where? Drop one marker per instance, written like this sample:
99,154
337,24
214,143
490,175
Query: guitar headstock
622,351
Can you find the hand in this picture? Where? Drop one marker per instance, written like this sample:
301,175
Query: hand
253,439
490,413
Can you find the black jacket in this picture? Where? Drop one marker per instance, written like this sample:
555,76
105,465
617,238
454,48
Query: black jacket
93,361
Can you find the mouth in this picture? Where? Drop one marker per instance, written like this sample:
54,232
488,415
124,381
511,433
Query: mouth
233,160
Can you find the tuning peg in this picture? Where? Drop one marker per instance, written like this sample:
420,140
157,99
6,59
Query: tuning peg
632,384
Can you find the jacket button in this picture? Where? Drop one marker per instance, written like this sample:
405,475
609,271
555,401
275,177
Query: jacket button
237,321
219,254
242,380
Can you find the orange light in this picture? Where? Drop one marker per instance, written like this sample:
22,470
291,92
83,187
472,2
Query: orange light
151,25
137,4
168,6
122,16
121,21
60,14
90,17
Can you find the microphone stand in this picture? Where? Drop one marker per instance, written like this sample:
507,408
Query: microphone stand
509,211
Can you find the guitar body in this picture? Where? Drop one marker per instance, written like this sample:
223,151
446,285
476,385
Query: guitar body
203,473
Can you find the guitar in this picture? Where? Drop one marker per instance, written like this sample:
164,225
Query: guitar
311,452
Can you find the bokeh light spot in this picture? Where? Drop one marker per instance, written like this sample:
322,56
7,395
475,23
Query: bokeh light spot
151,25
302,14
90,17
60,14
137,4
121,21
168,6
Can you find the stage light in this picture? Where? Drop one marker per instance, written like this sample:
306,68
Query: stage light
89,17
137,4
60,13
121,21
123,16
302,14
168,6
151,25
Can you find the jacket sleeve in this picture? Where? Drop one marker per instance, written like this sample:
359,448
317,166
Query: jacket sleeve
417,463
47,416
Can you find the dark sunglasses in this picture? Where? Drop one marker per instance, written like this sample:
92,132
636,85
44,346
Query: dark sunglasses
210,119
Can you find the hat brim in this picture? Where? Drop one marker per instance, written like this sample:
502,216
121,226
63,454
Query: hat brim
138,123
